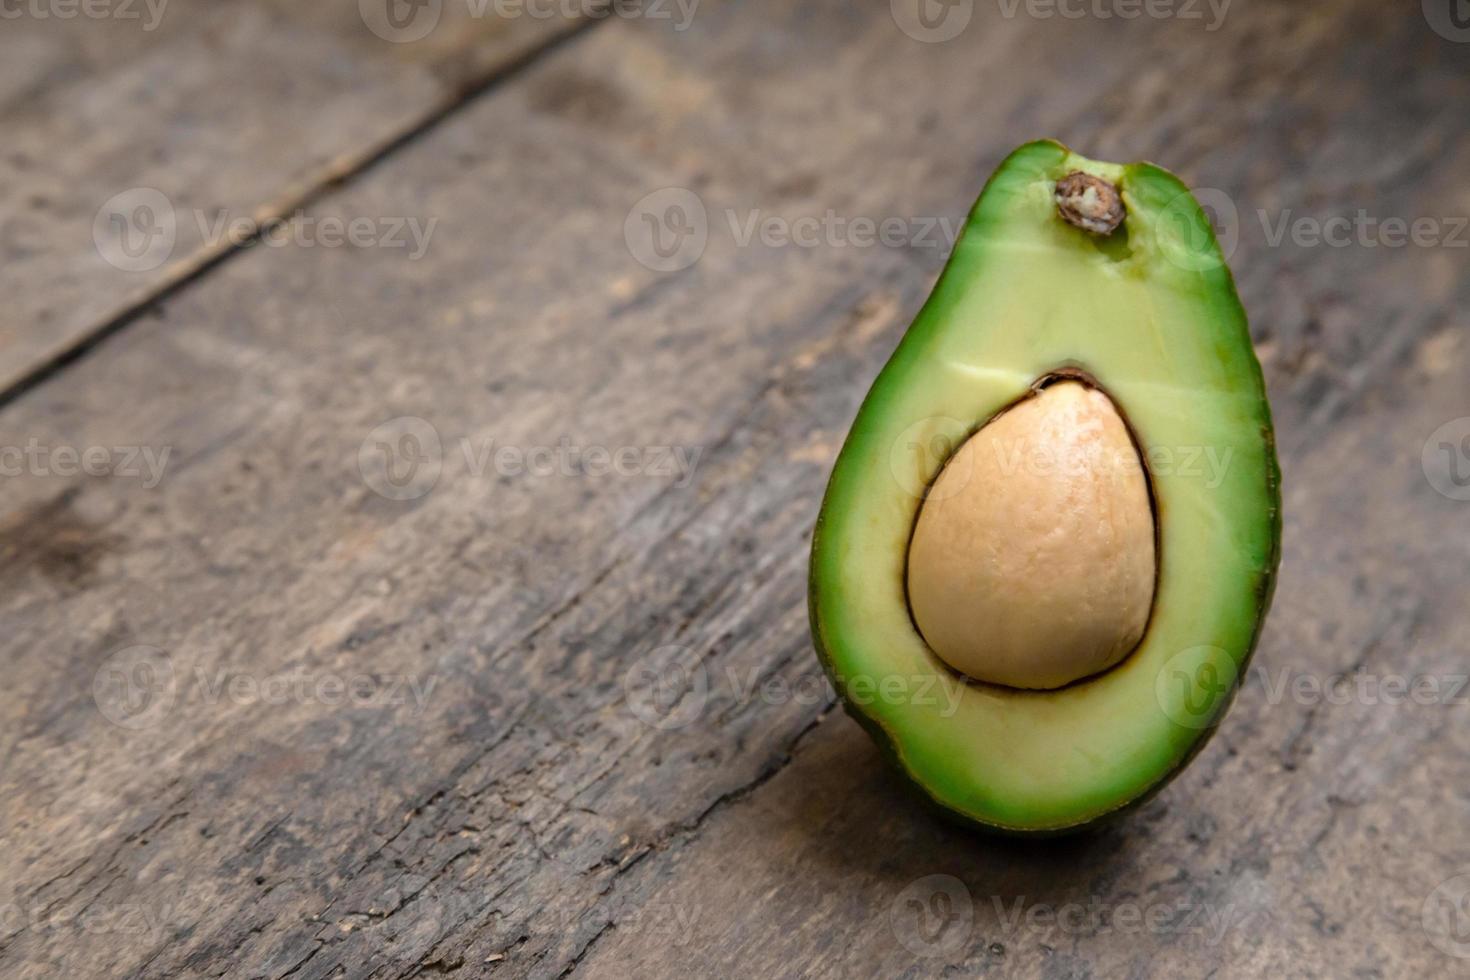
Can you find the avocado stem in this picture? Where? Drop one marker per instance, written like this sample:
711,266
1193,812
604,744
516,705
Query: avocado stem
1089,203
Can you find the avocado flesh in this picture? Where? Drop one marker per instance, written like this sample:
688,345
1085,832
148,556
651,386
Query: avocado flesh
1151,316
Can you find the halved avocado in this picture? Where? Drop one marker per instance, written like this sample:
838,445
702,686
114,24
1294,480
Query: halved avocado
1145,312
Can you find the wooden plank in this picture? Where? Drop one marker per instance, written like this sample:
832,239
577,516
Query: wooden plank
521,818
205,114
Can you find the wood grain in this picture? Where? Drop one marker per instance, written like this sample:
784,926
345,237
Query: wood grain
231,112
537,805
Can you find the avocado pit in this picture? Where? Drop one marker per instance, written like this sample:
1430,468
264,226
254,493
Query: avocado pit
1032,562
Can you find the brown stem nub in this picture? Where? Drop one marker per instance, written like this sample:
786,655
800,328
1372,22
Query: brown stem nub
1089,203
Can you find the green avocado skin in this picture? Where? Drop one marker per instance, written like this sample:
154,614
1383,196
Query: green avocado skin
851,576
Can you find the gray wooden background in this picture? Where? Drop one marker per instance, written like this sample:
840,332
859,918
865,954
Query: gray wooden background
334,646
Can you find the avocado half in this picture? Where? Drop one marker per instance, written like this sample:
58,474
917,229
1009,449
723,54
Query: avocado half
1147,313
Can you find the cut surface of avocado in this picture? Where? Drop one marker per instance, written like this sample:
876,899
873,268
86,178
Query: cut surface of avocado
1032,302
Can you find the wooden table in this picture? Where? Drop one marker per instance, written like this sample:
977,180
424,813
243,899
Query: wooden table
334,646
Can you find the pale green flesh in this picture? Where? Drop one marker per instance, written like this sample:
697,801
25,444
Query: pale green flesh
1156,322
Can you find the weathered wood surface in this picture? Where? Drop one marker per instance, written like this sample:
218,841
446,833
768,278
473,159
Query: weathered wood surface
523,819
245,110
